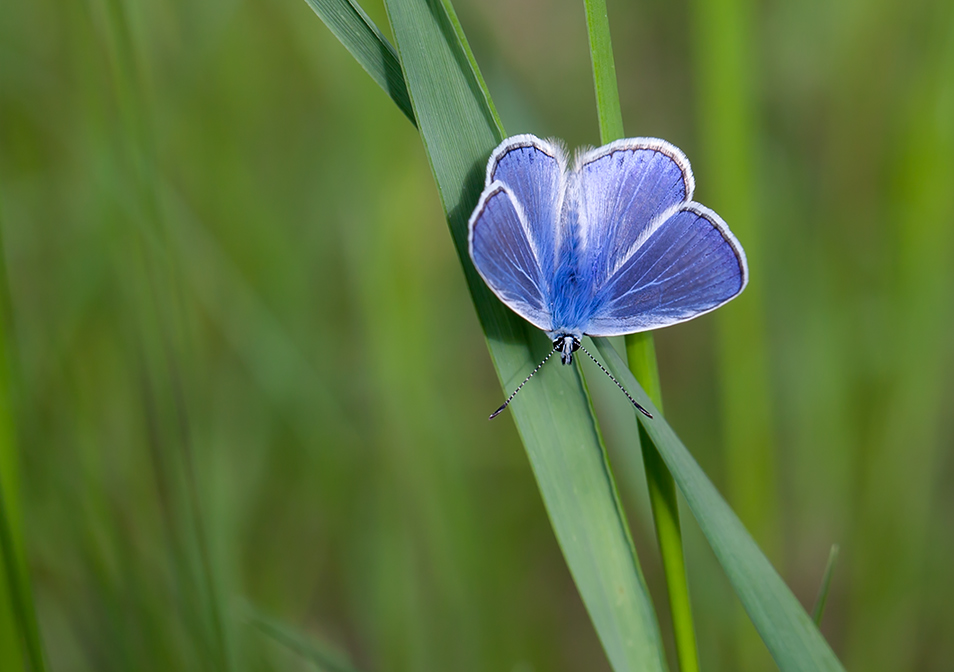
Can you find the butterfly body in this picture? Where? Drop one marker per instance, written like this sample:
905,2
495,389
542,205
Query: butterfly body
571,289
608,244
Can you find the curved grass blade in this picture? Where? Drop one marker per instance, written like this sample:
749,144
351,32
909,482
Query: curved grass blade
370,48
320,654
459,128
787,630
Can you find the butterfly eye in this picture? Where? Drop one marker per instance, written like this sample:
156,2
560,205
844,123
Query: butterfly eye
566,343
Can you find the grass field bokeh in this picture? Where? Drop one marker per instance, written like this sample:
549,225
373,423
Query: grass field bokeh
244,368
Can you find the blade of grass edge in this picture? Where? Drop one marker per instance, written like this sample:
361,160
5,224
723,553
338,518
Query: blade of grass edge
459,128
322,655
822,598
370,48
641,353
783,624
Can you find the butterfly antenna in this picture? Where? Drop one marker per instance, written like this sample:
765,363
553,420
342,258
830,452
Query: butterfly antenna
603,369
510,398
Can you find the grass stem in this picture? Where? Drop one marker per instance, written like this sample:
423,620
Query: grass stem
641,355
641,358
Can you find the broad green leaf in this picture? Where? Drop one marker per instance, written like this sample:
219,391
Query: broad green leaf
788,631
370,48
460,128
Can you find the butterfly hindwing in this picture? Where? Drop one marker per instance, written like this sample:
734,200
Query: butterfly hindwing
691,264
656,257
613,246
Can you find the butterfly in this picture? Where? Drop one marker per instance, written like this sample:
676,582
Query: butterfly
609,244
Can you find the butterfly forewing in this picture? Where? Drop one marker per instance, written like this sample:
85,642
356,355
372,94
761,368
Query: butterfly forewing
533,171
504,256
627,188
614,246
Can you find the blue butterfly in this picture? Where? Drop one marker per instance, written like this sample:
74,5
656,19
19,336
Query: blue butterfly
612,245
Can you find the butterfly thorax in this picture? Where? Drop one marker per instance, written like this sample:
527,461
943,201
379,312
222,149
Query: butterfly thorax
571,295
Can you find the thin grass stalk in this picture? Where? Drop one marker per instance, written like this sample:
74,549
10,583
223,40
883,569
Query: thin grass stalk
728,127
322,655
641,356
903,478
23,626
18,589
724,65
160,337
12,561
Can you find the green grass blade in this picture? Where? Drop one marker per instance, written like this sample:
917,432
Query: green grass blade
459,128
641,353
724,40
822,598
305,646
15,584
19,591
725,33
903,465
18,588
161,335
785,627
604,71
370,48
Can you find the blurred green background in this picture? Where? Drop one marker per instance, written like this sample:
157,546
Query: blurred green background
244,366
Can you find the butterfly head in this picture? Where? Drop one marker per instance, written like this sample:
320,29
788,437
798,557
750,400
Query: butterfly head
567,344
